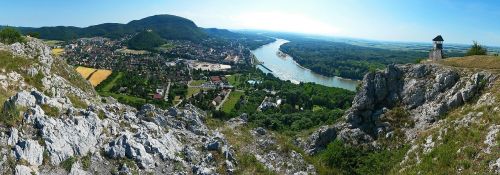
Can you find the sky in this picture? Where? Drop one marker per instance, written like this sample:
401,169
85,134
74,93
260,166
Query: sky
459,21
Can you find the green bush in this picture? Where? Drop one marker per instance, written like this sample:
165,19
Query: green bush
476,49
10,115
86,162
355,160
10,35
68,163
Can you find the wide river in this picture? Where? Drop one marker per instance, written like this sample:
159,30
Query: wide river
285,68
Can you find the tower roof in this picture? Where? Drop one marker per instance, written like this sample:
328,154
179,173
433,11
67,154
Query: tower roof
438,38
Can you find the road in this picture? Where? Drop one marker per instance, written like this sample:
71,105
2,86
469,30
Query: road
223,101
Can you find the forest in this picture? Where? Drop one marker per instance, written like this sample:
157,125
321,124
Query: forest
345,60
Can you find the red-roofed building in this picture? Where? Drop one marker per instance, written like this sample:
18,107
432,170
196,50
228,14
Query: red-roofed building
215,79
157,96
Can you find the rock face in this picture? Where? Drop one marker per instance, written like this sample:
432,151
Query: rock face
112,137
423,91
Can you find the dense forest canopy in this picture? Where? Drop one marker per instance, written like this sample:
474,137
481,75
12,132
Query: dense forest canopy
167,26
146,40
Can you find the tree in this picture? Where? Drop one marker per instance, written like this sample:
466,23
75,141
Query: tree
476,49
10,35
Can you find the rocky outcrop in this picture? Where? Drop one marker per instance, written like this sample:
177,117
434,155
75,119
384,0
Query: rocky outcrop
112,137
422,91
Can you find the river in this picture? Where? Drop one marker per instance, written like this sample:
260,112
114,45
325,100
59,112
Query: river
285,68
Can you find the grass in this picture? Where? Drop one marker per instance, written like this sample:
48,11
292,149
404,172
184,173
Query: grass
233,98
77,102
197,82
191,91
57,51
50,111
105,87
108,85
35,81
250,165
234,80
481,62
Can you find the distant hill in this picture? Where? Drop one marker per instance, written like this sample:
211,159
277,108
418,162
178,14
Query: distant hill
145,40
166,26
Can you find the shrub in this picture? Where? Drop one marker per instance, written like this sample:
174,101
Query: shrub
10,115
476,49
355,160
86,162
10,35
68,163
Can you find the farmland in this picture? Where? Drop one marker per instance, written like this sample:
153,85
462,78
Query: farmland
94,76
99,76
85,71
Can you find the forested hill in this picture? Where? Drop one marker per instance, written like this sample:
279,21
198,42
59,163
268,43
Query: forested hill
166,26
345,60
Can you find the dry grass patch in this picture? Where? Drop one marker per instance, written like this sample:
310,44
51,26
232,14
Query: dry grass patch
85,71
481,62
57,51
99,76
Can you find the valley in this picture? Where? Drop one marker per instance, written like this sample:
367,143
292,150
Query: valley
161,95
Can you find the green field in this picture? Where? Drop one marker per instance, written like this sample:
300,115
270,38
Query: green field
233,98
234,80
107,87
197,82
191,91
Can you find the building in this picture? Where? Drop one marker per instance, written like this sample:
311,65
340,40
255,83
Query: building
437,51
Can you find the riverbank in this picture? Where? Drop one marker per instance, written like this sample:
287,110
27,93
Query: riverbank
286,68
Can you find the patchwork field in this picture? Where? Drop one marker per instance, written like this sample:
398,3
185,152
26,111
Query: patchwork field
94,76
85,71
99,76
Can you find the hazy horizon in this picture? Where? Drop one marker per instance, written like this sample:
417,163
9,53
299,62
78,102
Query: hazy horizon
459,22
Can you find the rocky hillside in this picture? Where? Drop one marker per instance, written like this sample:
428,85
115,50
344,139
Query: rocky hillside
52,122
441,118
447,117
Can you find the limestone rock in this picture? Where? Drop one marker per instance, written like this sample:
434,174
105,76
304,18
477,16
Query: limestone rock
30,151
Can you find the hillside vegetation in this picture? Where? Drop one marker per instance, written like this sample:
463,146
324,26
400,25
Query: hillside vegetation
344,60
167,26
146,40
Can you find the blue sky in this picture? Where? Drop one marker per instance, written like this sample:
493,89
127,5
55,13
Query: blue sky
459,21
